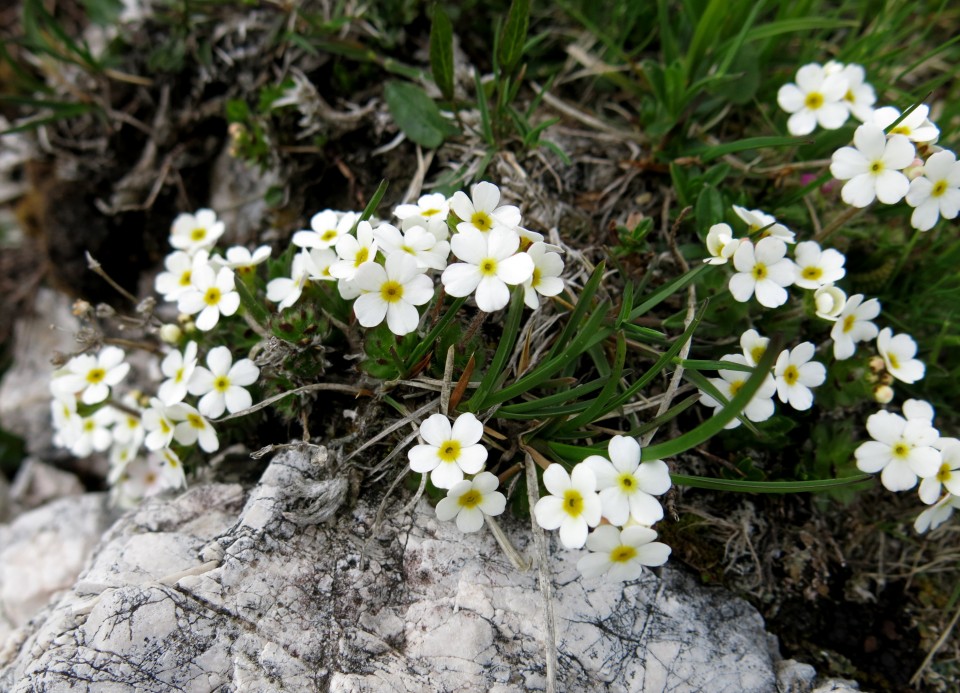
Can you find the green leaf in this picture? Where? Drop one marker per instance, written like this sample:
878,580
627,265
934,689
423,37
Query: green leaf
441,52
740,486
251,304
800,24
417,115
709,207
668,290
602,400
514,35
579,311
372,204
710,153
511,329
715,423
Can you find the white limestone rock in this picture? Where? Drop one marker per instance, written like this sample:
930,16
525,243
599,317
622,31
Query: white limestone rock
293,590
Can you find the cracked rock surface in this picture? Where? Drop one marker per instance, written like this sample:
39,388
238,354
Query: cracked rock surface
287,588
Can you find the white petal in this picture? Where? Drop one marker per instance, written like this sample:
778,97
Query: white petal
790,98
461,279
516,269
891,186
492,294
470,520
237,399
573,532
556,479
370,309
859,191
436,430
549,512
402,318
423,458
897,476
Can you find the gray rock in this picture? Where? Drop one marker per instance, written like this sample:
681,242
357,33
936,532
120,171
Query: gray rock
37,483
43,551
208,592
25,387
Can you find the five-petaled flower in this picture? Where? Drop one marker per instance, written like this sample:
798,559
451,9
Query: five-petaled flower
482,210
872,167
212,295
193,232
92,376
222,384
621,554
817,97
795,374
572,506
854,325
392,290
627,486
937,192
759,408
470,500
762,270
898,354
490,263
901,450
448,452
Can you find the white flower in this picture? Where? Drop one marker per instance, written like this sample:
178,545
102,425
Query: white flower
127,427
449,451
918,409
573,505
627,486
490,262
817,97
937,192
193,232
621,555
795,374
871,167
898,352
178,367
326,228
759,408
860,96
66,421
829,301
720,244
241,260
354,251
936,515
947,476
171,468
417,242
470,500
902,449
92,433
212,295
307,265
143,478
756,219
159,422
176,280
430,213
762,270
222,385
192,427
853,325
481,213
91,376
915,126
546,281
817,267
754,346
392,291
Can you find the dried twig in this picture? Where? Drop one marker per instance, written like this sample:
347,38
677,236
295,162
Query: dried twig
543,574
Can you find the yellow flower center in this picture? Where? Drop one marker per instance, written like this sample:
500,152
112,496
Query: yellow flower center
572,503
939,188
811,273
894,361
408,249
449,451
876,167
900,130
430,212
944,473
362,256
757,352
179,375
164,426
470,499
195,420
212,297
791,375
735,387
482,221
198,234
814,100
627,482
535,281
901,450
328,235
89,425
849,96
391,291
488,267
96,375
221,384
185,278
171,460
759,271
848,323
622,554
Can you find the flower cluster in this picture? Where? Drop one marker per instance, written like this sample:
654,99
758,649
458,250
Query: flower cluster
448,453
385,269
145,436
618,490
826,95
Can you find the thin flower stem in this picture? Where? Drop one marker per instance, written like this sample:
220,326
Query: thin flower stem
98,269
132,344
834,225
519,562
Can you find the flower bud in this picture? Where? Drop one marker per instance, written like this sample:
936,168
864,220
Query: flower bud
914,170
171,333
877,364
829,301
883,394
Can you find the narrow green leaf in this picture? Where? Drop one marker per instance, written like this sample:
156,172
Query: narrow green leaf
715,423
800,24
740,486
494,372
251,304
577,316
668,290
432,335
553,400
417,115
372,204
603,399
710,153
441,52
514,35
484,108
